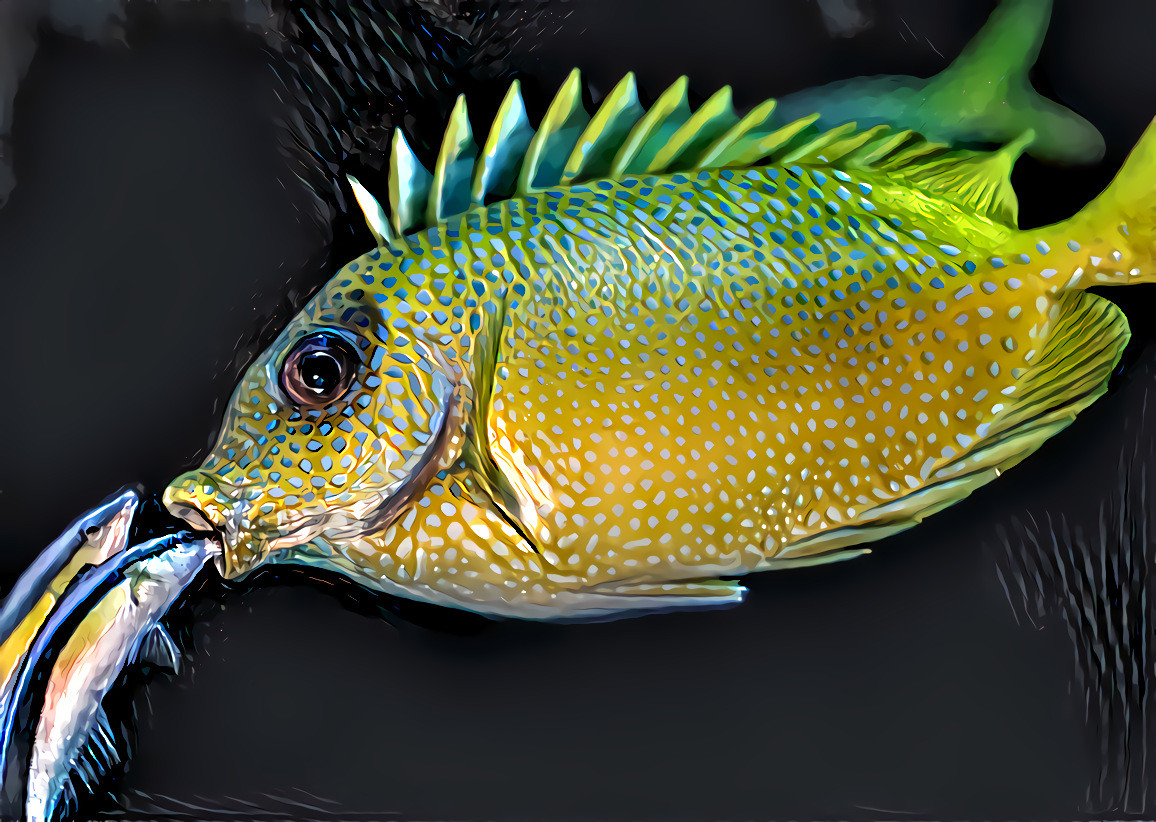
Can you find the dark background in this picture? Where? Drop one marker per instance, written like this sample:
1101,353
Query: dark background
152,234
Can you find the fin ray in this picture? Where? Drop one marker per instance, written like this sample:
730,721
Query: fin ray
755,124
450,187
497,167
669,112
981,180
409,187
714,116
375,216
158,648
595,149
555,138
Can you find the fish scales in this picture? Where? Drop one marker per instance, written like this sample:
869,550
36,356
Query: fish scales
715,368
600,397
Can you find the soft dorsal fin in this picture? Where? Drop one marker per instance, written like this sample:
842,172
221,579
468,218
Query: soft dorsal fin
624,139
979,179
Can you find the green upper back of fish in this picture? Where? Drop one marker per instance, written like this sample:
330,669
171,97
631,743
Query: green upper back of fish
596,365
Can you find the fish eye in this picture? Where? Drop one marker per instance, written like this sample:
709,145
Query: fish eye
319,369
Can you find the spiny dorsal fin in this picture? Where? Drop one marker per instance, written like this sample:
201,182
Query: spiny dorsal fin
556,137
595,150
450,189
652,131
510,135
757,123
820,148
623,139
409,187
885,145
375,216
717,115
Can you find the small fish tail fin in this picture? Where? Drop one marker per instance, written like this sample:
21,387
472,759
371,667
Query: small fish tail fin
1113,238
987,89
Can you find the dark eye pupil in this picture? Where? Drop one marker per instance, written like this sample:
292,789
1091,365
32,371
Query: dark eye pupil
320,372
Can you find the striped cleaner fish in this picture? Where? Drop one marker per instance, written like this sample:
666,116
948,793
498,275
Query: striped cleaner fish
85,614
605,365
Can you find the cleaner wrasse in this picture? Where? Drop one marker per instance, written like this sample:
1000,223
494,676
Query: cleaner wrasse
595,366
87,612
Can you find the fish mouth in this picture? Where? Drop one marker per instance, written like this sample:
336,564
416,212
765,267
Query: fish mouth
244,544
242,521
199,524
191,516
192,499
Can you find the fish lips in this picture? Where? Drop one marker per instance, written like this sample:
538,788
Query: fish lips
223,518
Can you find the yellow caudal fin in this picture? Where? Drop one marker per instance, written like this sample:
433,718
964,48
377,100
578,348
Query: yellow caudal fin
1114,237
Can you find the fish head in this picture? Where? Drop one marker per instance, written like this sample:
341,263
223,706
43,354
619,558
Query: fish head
329,432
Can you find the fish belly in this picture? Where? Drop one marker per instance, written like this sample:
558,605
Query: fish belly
707,374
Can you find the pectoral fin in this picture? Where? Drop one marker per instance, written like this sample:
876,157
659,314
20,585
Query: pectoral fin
158,648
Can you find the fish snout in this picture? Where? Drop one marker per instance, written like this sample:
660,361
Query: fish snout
196,499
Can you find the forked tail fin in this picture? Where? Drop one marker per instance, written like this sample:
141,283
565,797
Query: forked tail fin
987,94
1113,238
984,97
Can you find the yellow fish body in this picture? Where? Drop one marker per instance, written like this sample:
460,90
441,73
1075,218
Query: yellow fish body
594,367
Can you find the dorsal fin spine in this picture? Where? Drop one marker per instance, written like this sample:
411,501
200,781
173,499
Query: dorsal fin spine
767,145
670,102
594,152
556,137
849,145
450,191
755,122
716,114
497,169
883,145
812,149
409,186
375,216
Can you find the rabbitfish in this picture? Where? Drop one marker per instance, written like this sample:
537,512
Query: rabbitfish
594,367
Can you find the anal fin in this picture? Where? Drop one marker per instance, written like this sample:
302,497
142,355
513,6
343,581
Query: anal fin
615,600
